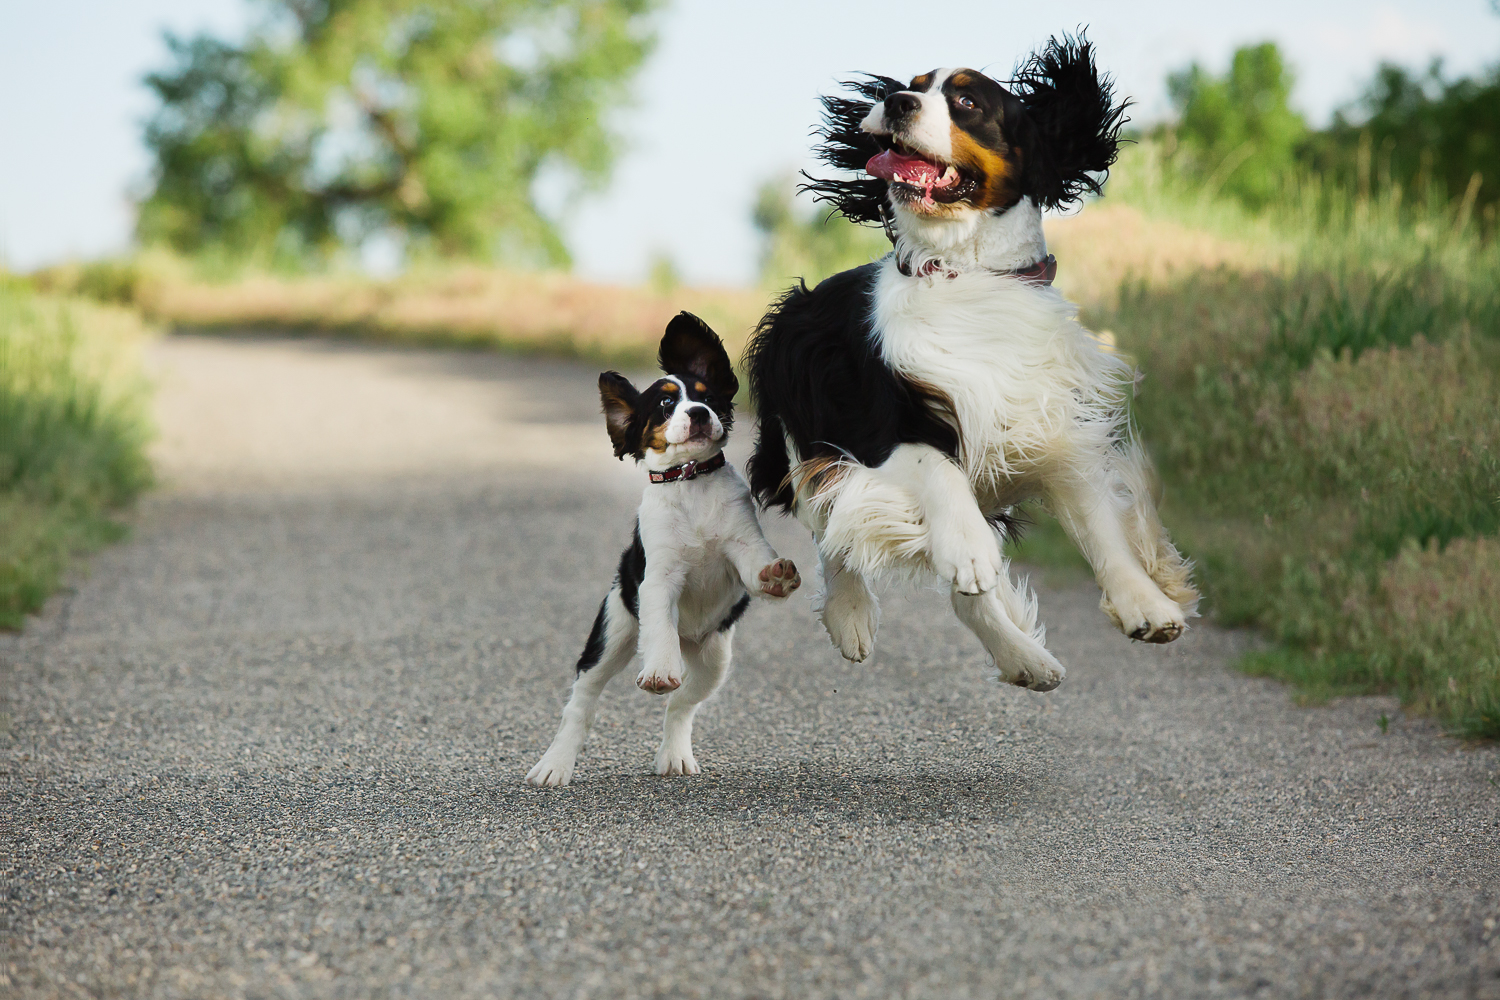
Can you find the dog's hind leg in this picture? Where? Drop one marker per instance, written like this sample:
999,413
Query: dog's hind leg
610,646
1093,509
707,665
1005,621
849,610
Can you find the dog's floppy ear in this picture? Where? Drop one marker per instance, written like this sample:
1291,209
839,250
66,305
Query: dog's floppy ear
619,398
689,347
1076,122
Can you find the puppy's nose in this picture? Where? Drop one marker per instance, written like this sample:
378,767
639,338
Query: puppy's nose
698,415
899,106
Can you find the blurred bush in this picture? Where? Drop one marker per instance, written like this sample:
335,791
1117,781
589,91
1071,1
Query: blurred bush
804,242
73,429
1325,422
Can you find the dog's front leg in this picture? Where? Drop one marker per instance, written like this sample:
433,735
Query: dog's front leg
660,646
964,549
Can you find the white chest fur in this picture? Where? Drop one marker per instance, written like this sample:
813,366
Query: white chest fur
1030,386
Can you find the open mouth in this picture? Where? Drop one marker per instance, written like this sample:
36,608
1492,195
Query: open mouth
920,177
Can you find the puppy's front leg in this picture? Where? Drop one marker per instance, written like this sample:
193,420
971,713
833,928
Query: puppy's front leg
661,650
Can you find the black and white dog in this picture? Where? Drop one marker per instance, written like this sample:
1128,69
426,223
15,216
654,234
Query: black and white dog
908,405
697,555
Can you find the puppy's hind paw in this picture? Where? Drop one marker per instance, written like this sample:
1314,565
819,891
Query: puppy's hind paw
672,760
550,772
780,578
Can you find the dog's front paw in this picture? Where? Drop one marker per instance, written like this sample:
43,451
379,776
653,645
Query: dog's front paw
966,554
676,759
851,621
1145,617
551,771
660,681
779,579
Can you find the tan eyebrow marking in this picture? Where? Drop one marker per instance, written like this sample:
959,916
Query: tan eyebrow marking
960,79
699,387
921,82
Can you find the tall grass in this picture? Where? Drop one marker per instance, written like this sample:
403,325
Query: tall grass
1327,430
72,437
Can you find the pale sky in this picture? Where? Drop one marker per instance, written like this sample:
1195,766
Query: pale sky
726,102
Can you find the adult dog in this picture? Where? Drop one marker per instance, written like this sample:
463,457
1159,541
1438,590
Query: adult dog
907,406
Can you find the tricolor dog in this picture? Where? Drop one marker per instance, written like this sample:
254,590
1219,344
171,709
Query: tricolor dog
907,406
697,555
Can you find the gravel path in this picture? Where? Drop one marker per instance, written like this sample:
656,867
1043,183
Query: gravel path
273,747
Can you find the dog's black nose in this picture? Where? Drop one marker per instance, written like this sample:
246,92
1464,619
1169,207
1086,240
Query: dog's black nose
899,106
698,415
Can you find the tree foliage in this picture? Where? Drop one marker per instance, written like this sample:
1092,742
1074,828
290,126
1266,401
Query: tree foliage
1416,130
1237,133
338,119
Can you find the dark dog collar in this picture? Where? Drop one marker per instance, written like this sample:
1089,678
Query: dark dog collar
689,470
1040,273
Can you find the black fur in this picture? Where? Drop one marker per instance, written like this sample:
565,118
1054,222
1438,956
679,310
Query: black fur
632,571
816,374
1077,123
593,650
1068,133
735,613
846,146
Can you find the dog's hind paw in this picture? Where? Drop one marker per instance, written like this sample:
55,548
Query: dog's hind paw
780,578
1145,617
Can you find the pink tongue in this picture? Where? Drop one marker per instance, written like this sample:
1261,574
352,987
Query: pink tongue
893,166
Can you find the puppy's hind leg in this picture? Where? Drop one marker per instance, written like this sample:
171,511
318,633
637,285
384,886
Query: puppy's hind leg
707,664
1004,619
610,646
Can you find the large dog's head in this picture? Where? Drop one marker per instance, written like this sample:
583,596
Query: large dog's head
954,142
684,417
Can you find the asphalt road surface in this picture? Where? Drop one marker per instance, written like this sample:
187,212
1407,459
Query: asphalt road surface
273,746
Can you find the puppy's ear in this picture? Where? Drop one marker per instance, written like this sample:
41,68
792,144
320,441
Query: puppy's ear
689,347
619,398
1075,122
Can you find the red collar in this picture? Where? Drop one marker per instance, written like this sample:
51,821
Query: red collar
1040,273
689,470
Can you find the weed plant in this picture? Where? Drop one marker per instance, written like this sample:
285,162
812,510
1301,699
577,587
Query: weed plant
1327,432
73,429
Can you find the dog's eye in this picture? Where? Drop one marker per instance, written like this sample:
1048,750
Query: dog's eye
666,406
966,101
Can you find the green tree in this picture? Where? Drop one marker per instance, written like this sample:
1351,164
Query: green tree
337,119
1417,130
1237,133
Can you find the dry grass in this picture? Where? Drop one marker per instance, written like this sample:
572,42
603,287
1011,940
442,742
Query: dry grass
472,306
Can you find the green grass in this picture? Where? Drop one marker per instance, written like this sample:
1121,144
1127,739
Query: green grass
1328,434
72,437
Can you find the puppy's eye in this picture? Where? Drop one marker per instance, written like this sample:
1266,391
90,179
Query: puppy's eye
966,101
666,406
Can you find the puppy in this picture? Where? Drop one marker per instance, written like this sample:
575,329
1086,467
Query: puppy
697,555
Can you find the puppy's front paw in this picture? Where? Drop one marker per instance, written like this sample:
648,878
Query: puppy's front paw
851,621
659,681
779,579
967,555
1145,617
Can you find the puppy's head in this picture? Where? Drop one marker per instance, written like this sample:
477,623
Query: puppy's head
954,142
684,417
